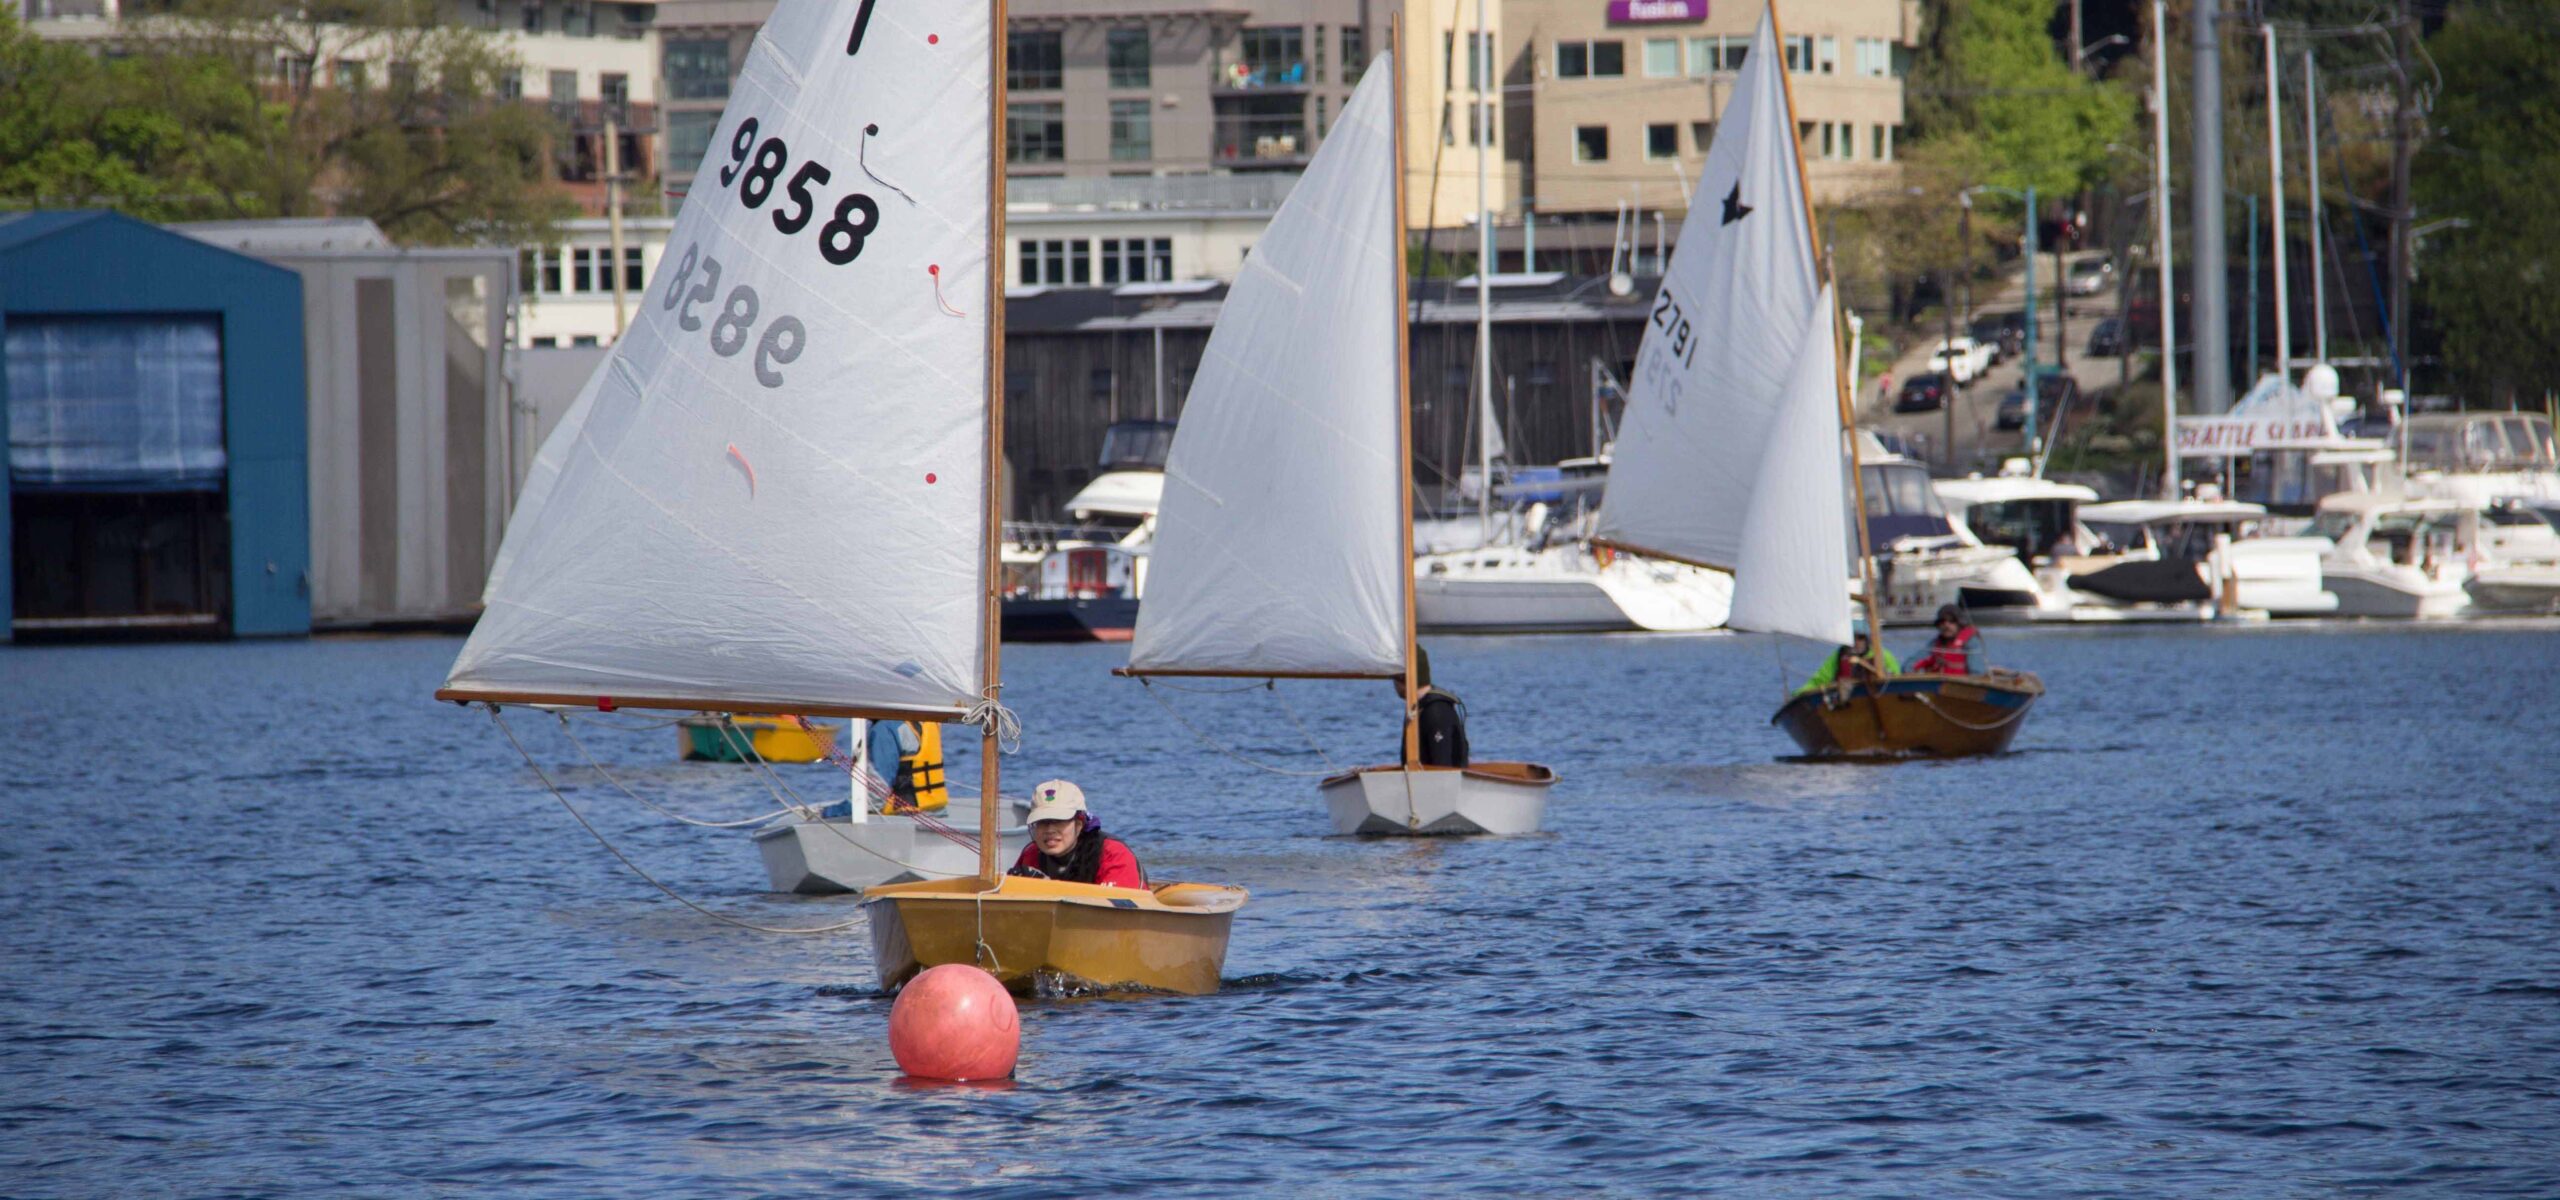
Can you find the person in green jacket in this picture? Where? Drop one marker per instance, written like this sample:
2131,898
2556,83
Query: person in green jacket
1866,663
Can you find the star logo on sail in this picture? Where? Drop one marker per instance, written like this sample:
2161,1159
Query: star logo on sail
1734,208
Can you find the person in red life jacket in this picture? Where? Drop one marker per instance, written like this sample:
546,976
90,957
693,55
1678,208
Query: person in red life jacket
1952,653
1067,844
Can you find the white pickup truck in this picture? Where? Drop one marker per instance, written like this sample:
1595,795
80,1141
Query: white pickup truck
1963,359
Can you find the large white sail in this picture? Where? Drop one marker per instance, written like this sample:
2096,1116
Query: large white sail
1716,355
1790,575
772,492
1278,548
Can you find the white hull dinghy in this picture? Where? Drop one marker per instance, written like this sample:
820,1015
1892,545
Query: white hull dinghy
832,855
1501,799
1284,542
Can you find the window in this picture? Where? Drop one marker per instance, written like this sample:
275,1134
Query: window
1799,53
1661,57
1476,126
533,16
1132,131
1593,60
581,269
1315,62
1479,61
1056,262
350,74
1702,134
1355,53
1160,260
1034,61
1875,57
587,340
1883,144
1323,126
294,71
1591,143
564,94
698,69
511,85
1272,55
1131,59
689,137
1826,55
616,90
546,343
551,271
1035,133
1661,142
631,281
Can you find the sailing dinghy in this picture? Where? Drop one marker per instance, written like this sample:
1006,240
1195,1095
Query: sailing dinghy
1284,543
1739,430
813,390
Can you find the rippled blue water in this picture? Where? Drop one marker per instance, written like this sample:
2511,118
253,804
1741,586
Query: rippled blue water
2251,913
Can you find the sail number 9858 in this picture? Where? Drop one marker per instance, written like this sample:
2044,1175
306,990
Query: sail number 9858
756,169
781,342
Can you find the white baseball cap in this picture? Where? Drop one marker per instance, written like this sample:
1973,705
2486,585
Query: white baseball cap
1056,800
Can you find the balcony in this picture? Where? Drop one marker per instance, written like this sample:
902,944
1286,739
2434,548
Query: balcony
1244,140
1262,74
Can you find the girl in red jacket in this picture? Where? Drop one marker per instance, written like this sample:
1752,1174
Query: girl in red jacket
1068,845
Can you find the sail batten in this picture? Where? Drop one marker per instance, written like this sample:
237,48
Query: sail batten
771,496
1721,339
1279,542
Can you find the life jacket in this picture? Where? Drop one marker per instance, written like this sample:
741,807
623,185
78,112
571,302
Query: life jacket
920,781
1443,729
1953,658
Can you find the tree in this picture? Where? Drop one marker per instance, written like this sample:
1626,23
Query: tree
77,131
1990,72
2494,164
378,109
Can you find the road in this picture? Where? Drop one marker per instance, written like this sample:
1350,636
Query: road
1978,403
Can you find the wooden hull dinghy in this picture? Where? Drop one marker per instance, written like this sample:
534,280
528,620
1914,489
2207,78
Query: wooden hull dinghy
1934,716
1035,932
834,854
1500,798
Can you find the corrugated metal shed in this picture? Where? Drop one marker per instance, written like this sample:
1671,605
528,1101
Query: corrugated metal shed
410,424
64,269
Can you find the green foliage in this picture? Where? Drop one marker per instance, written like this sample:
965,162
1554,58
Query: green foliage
192,120
1990,73
2494,162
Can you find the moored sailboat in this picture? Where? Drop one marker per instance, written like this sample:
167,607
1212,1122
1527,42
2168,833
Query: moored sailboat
1284,543
817,390
1739,431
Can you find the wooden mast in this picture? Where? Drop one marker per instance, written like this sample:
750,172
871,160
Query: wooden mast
1404,412
990,564
1839,369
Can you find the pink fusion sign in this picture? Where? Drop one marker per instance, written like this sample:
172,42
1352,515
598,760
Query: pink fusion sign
1634,12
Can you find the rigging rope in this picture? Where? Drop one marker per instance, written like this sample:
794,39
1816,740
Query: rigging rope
1952,719
1205,739
878,789
653,806
500,719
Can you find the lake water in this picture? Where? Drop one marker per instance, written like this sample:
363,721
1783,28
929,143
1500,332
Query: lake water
2254,912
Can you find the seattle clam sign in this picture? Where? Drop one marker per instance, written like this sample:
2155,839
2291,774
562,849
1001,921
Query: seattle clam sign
1631,12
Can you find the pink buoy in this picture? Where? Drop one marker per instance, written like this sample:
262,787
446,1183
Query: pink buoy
955,1022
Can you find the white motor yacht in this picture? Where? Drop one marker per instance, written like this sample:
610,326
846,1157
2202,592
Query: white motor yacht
2481,458
2398,557
1565,587
2038,521
1924,558
2194,558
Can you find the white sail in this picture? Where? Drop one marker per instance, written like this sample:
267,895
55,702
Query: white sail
814,345
1790,576
1720,344
1278,546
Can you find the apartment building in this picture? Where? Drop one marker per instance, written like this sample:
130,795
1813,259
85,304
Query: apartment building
1615,101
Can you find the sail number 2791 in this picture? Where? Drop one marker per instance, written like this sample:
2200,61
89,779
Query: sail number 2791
1674,324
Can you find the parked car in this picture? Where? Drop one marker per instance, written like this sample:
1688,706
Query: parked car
2088,277
1962,357
1922,393
2005,332
2107,340
2055,392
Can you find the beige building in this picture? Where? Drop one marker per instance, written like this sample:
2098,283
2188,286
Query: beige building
1616,100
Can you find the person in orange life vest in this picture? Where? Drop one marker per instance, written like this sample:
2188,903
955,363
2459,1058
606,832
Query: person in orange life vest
1067,844
1952,653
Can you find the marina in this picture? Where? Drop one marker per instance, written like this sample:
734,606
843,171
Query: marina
2215,924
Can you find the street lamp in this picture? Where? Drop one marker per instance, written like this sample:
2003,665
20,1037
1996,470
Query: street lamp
2100,44
2028,196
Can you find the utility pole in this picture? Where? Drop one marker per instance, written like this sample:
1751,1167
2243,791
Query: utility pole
2311,168
2211,311
613,213
1947,353
2164,249
2401,216
2275,204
